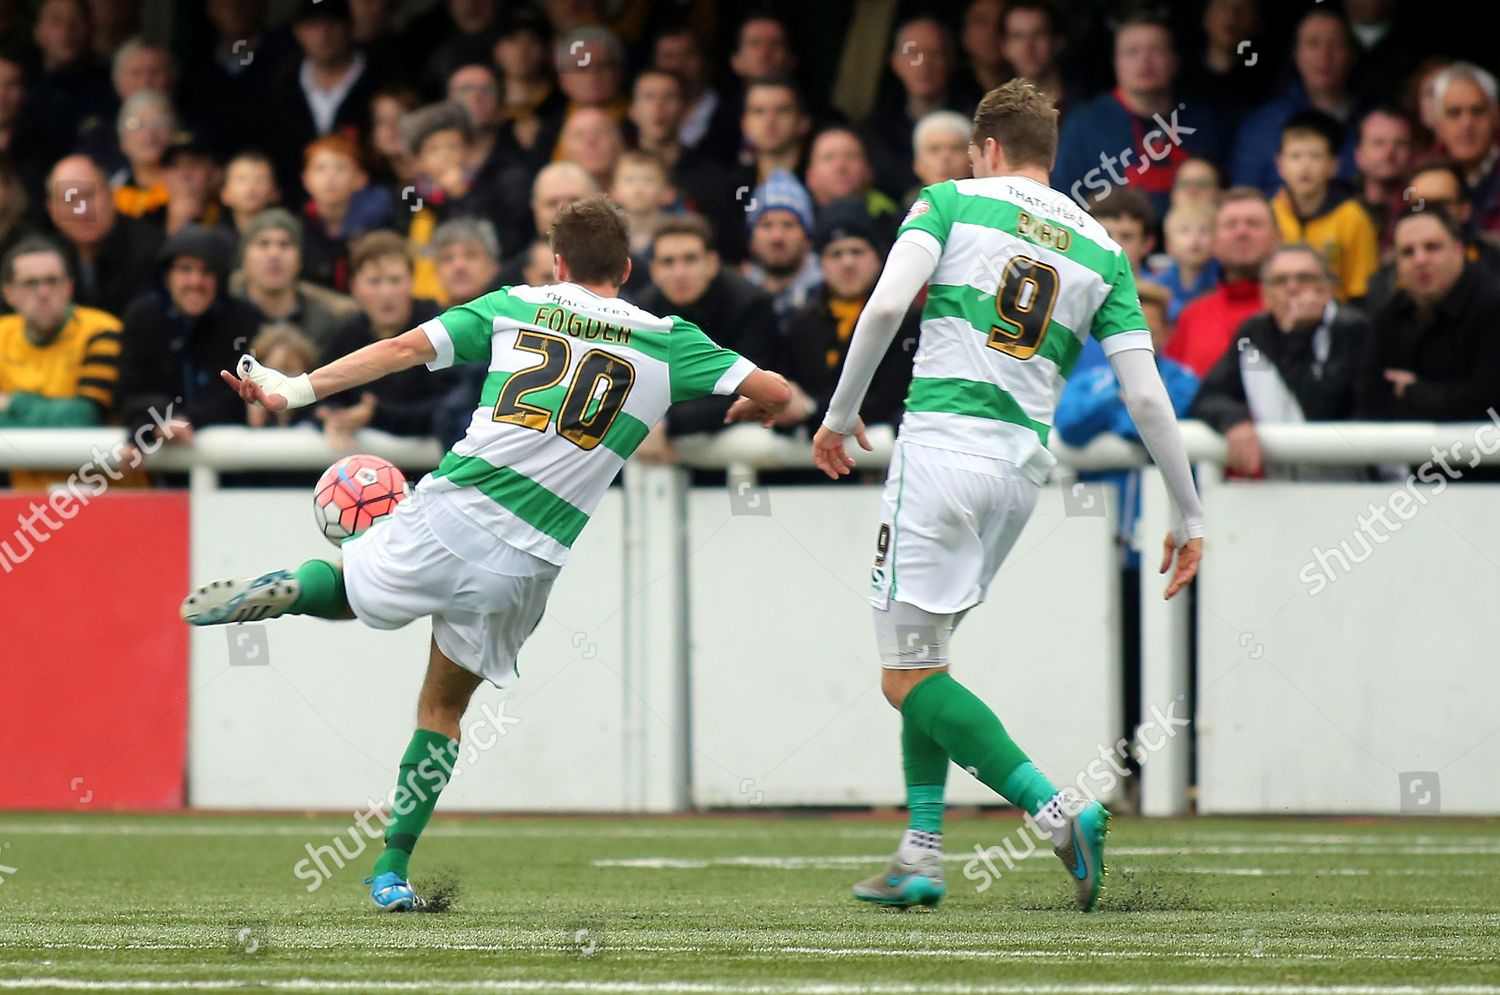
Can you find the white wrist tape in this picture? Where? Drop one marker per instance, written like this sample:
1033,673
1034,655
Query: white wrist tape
298,391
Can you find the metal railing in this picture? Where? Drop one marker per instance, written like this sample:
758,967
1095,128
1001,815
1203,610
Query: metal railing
231,449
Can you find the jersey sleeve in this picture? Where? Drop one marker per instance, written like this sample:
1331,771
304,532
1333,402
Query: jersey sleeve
699,367
930,216
1119,323
462,333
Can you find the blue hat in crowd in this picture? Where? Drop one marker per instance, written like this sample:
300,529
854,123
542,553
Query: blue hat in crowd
782,192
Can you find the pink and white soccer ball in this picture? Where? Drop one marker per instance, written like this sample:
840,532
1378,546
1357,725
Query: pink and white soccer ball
355,493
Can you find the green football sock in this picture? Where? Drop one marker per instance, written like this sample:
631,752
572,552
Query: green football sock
972,735
322,594
926,766
426,768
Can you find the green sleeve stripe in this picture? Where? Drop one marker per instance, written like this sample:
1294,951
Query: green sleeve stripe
976,398
696,363
623,436
1121,310
704,377
652,345
1059,344
523,497
1004,216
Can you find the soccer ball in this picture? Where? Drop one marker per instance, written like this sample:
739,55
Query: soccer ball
355,493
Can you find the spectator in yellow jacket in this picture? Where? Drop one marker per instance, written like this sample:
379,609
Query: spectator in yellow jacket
59,362
1310,208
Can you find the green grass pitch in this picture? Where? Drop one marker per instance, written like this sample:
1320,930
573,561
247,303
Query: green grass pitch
727,904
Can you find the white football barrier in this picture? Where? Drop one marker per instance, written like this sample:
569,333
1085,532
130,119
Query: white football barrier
712,646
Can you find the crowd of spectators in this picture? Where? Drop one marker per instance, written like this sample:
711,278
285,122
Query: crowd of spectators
1308,196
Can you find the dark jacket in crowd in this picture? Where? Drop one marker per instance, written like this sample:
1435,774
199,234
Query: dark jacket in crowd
405,402
887,136
60,103
122,268
813,358
1453,350
1383,285
552,110
737,315
169,358
319,312
1325,385
325,256
455,409
704,187
287,126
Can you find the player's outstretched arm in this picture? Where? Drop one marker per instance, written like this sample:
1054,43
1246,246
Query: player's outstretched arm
275,391
1150,408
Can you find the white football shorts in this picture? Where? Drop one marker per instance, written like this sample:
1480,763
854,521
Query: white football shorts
483,607
949,521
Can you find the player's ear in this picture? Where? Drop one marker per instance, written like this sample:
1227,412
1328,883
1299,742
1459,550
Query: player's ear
560,269
625,276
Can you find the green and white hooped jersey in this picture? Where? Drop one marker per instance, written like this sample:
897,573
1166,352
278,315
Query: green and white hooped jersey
575,382
1023,277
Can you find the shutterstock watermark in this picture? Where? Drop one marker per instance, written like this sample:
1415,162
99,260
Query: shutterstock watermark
1113,170
433,774
1100,777
35,526
1328,565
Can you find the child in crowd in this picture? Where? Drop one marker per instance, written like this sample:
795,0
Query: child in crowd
1311,208
281,347
639,184
249,187
341,205
1190,269
1130,220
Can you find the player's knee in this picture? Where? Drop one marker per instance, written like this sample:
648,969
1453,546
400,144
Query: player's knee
894,691
896,683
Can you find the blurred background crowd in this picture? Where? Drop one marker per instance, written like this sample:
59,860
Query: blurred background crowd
1308,192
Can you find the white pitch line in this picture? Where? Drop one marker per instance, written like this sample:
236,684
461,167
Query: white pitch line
1317,843
1337,872
316,830
949,953
714,988
1343,839
836,861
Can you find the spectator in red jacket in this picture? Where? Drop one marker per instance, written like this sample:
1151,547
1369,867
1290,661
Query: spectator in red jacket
1245,235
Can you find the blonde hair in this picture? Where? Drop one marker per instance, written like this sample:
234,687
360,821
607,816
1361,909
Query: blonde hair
1182,212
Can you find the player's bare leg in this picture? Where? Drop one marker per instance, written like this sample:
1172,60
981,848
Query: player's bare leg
316,588
426,768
